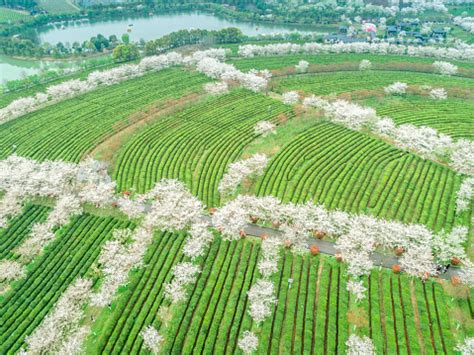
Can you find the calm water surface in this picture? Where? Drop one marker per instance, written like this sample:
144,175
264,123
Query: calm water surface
146,28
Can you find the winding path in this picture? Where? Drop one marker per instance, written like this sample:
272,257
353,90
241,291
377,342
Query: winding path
327,247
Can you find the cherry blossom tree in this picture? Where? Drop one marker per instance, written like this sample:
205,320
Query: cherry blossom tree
382,48
11,205
248,343
357,289
438,94
290,97
397,88
184,273
302,66
63,321
450,245
173,208
11,270
218,88
261,299
360,345
465,195
445,68
365,65
265,128
466,274
466,348
238,171
151,339
200,237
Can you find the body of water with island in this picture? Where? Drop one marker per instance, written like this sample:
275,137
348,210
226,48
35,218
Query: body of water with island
146,28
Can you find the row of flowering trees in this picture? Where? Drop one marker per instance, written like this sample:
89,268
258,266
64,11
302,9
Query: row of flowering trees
207,62
425,141
238,171
169,206
70,185
399,88
357,236
462,52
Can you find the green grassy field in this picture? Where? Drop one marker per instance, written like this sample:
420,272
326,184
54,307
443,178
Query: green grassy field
68,257
347,170
70,129
197,144
314,315
311,159
350,81
11,16
58,6
454,116
351,60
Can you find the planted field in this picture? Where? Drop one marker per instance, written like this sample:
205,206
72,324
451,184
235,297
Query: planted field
351,60
312,316
162,126
19,228
353,172
58,6
197,144
24,307
12,16
137,305
73,127
454,116
407,316
350,81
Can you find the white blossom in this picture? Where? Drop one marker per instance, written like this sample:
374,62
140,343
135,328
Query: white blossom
438,94
265,128
464,195
466,274
62,322
248,343
397,88
117,257
173,208
238,171
290,97
151,339
357,289
445,68
184,274
466,348
360,346
199,239
418,261
261,299
365,64
218,88
11,270
302,66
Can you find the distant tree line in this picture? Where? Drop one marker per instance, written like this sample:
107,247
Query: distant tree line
27,4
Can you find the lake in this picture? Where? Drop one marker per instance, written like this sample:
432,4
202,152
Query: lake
146,28
152,27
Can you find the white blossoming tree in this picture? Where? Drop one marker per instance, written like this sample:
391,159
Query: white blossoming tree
264,128
445,68
397,88
151,339
248,343
360,345
365,65
290,97
438,94
302,66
